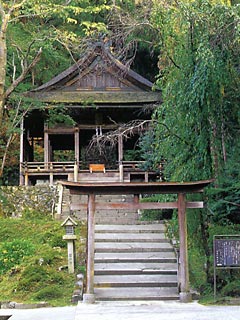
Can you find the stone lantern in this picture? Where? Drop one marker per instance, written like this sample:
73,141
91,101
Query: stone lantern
69,224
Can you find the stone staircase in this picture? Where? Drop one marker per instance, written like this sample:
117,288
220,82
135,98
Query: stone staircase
134,262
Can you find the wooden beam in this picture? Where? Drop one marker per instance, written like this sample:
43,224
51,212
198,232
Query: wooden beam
194,204
60,130
91,97
136,205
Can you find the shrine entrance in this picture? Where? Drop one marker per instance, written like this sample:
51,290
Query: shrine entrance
137,189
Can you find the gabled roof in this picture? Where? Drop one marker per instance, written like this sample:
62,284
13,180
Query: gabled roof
97,77
69,222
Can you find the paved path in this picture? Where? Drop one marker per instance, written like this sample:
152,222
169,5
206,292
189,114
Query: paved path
129,311
155,311
60,313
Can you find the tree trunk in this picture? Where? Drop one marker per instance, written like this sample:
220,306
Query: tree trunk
3,62
214,150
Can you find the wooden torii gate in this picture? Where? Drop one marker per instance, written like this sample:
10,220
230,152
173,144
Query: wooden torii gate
134,188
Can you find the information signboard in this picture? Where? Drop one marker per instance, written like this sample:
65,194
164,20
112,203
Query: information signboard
227,252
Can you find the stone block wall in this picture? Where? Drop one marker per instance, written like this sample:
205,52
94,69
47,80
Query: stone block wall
15,200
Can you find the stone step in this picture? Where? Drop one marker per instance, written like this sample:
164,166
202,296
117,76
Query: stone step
135,281
132,247
138,228
159,257
135,268
134,262
129,237
134,294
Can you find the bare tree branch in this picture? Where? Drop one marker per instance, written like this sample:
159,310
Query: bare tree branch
14,124
126,131
25,71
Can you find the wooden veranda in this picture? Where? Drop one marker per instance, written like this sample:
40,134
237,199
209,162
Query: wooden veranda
125,171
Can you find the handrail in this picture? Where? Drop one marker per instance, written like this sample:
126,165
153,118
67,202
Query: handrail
47,166
71,165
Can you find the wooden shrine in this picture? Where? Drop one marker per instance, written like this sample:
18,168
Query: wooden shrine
100,94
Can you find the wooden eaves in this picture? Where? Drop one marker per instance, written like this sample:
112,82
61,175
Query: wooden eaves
64,87
137,187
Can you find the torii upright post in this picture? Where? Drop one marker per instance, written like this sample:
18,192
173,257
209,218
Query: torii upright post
185,295
89,296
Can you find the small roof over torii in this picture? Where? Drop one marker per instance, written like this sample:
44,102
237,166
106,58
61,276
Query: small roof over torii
97,77
137,187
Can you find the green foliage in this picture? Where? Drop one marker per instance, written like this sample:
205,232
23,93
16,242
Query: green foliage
4,202
148,145
59,115
30,214
232,289
31,271
151,215
224,199
48,293
53,238
199,78
13,253
155,215
131,155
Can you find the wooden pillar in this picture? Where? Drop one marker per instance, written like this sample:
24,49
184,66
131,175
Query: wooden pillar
51,174
185,295
136,198
146,176
120,148
121,172
76,144
46,145
60,201
77,154
21,158
26,179
120,158
89,296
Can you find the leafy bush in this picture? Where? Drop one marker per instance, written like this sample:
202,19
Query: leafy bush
48,293
37,277
12,253
31,277
30,213
151,215
53,238
232,289
40,259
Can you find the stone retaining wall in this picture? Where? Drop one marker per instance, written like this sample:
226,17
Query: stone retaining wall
17,200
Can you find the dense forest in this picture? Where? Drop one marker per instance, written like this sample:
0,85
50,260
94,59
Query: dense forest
190,49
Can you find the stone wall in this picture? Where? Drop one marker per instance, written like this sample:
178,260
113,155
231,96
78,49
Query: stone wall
16,200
